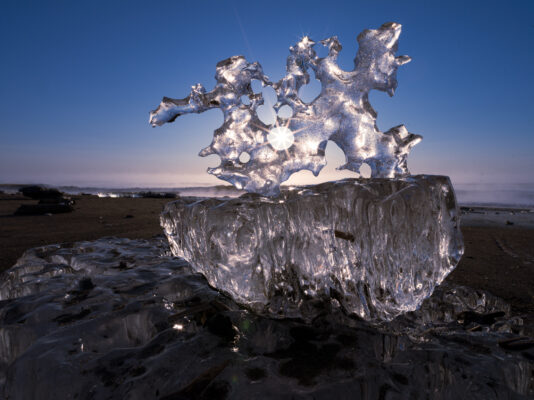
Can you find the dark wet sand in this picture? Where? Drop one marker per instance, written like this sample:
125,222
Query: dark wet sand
92,218
499,259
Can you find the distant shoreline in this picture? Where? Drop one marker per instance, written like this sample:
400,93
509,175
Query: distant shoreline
469,195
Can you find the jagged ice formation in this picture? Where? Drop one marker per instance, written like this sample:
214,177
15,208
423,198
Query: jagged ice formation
119,319
341,113
376,247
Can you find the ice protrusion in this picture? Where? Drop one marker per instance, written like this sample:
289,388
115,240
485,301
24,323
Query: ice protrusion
341,113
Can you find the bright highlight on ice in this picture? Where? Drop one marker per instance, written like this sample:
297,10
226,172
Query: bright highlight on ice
281,138
341,113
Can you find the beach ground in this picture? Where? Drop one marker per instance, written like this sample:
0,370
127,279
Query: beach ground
499,257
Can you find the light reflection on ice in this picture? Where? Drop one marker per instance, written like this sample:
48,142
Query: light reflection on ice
378,246
115,335
340,113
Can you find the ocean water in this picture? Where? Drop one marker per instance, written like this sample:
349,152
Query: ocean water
499,195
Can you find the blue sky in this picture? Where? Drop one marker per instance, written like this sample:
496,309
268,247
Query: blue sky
78,78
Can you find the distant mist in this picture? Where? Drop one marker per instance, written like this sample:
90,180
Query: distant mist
495,194
482,194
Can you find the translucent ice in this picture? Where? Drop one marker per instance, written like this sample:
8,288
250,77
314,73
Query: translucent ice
377,247
341,113
119,319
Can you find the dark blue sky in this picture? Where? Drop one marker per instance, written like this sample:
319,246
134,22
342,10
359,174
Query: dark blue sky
78,78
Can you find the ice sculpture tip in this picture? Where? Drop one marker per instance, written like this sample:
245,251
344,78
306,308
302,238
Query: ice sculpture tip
341,113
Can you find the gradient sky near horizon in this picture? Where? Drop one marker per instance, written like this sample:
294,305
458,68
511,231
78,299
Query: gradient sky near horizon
78,78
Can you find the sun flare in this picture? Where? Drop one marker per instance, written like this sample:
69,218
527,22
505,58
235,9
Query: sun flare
281,138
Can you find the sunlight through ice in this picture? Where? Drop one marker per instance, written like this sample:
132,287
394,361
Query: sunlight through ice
281,138
378,246
341,113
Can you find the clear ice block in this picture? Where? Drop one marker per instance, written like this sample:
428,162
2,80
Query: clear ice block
377,247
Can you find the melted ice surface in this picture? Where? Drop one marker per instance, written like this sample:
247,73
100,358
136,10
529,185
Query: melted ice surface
119,318
341,113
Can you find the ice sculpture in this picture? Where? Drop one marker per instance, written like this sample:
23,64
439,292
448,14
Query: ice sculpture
376,247
341,113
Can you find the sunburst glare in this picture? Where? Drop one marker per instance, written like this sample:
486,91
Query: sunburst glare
281,138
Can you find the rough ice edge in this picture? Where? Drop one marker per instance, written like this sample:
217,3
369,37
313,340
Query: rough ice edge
154,328
281,256
341,113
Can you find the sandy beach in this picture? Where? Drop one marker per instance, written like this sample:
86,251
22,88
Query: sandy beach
92,218
499,251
